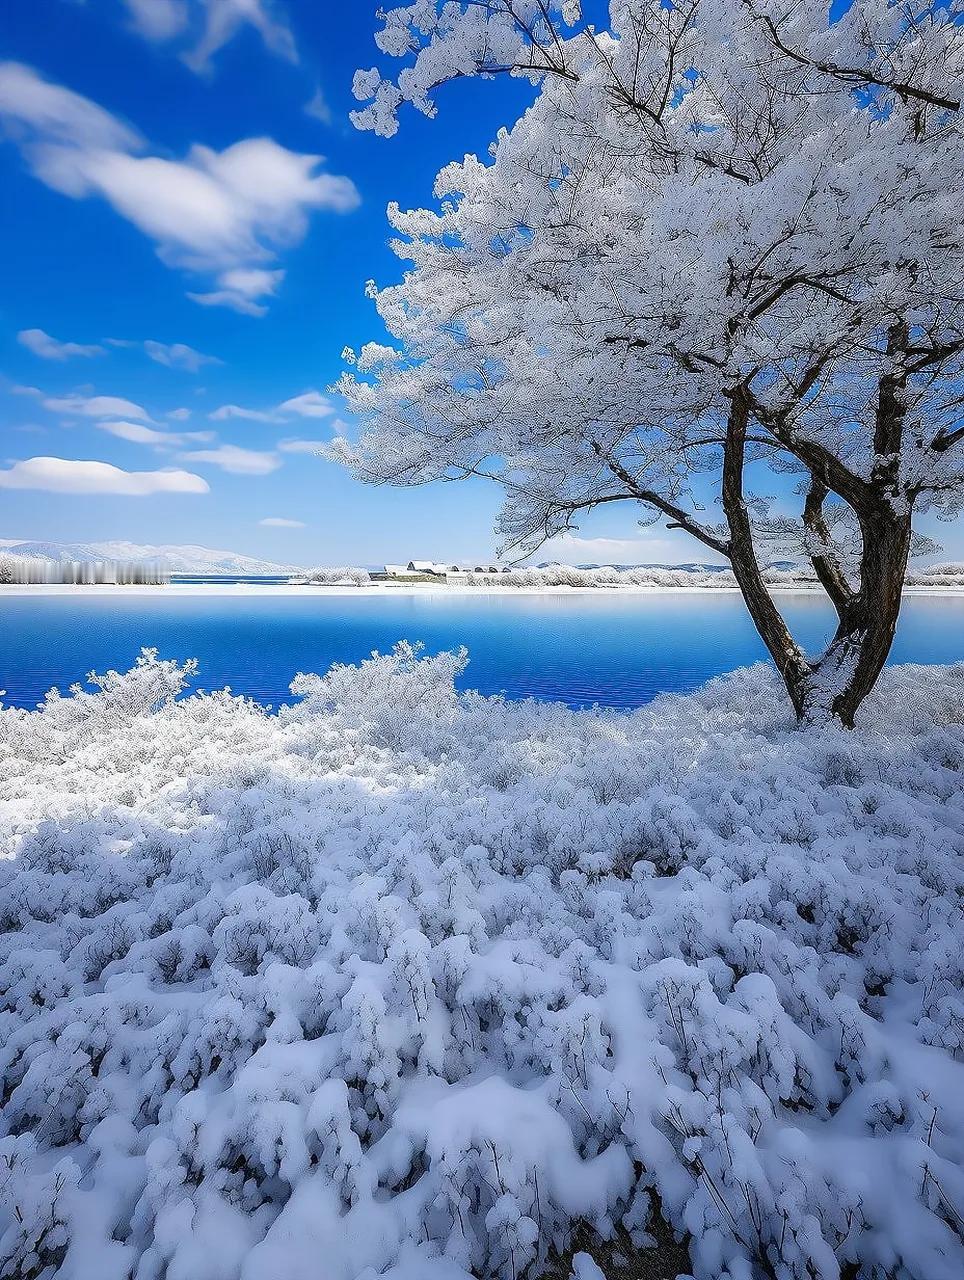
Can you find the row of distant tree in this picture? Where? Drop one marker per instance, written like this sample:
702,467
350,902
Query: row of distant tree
33,569
562,575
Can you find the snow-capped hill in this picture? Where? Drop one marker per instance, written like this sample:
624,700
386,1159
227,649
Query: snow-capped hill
174,558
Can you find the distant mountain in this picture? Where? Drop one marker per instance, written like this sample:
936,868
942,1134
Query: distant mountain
174,558
691,567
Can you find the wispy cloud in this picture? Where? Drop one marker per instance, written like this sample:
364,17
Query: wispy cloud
158,20
48,348
210,25
281,522
242,289
81,406
178,355
222,214
137,433
66,475
240,462
225,17
42,112
301,446
310,404
175,355
317,107
227,411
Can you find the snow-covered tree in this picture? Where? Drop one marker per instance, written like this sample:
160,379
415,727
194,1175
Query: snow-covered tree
723,241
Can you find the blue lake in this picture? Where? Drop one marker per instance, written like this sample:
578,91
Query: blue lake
617,650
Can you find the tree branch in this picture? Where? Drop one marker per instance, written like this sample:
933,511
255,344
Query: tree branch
946,439
853,75
827,567
683,520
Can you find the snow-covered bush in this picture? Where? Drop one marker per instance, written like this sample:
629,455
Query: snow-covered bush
941,575
408,983
602,576
606,576
328,577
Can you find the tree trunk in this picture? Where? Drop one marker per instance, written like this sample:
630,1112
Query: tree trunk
833,686
839,681
855,657
790,659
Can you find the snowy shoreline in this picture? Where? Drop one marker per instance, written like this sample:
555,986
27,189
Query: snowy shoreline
413,589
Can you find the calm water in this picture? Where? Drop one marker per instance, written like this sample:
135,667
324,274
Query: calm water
616,650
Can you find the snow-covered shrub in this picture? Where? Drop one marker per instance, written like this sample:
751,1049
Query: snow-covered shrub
417,982
328,576
607,576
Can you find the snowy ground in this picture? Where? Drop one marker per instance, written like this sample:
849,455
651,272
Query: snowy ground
403,588
406,983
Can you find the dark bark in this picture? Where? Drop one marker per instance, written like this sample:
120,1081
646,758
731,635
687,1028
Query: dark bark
826,566
855,657
789,658
833,686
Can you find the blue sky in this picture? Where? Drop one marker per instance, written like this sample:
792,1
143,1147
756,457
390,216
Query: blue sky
179,280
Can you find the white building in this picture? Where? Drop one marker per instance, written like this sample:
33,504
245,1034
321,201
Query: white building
430,567
436,569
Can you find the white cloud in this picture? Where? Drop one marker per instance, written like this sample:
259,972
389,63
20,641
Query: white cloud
218,20
37,109
240,289
301,446
214,210
310,404
95,407
225,17
236,411
175,355
317,107
158,19
240,462
225,214
64,475
137,433
279,522
48,348
178,355
178,415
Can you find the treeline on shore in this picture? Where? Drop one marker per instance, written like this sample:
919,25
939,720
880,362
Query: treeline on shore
603,576
33,570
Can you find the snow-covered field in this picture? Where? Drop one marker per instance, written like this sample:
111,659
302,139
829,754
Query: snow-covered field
404,983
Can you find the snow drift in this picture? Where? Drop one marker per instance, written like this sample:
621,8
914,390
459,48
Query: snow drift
404,982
